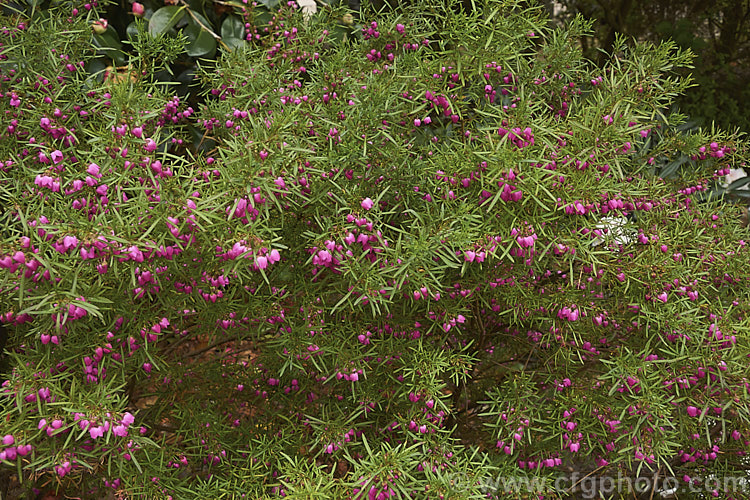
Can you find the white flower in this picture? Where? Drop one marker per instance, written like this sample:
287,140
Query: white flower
734,175
309,7
614,227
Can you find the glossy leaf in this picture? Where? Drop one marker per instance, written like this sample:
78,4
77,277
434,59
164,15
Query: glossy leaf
739,183
109,45
108,39
261,17
201,42
233,31
96,66
132,31
164,19
339,32
672,167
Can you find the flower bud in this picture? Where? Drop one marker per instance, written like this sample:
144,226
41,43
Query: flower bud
138,9
100,26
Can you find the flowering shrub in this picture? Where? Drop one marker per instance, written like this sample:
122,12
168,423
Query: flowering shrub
410,263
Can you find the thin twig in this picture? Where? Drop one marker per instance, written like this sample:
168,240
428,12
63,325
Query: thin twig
570,490
209,347
203,26
529,358
653,486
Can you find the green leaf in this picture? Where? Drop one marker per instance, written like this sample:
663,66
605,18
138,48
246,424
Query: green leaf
339,32
132,31
108,40
261,17
739,183
201,42
672,167
164,19
109,44
197,5
233,31
96,66
270,4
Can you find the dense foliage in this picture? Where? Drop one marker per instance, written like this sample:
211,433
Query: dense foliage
718,32
400,265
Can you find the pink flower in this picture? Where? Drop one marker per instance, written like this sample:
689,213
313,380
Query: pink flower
526,241
322,258
693,411
57,156
120,430
93,169
662,296
367,203
70,242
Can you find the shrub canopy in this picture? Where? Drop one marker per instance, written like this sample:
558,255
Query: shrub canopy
391,265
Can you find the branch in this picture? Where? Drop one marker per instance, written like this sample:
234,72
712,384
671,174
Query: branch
203,26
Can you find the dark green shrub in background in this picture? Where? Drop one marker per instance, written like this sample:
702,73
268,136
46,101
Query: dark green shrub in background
718,32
